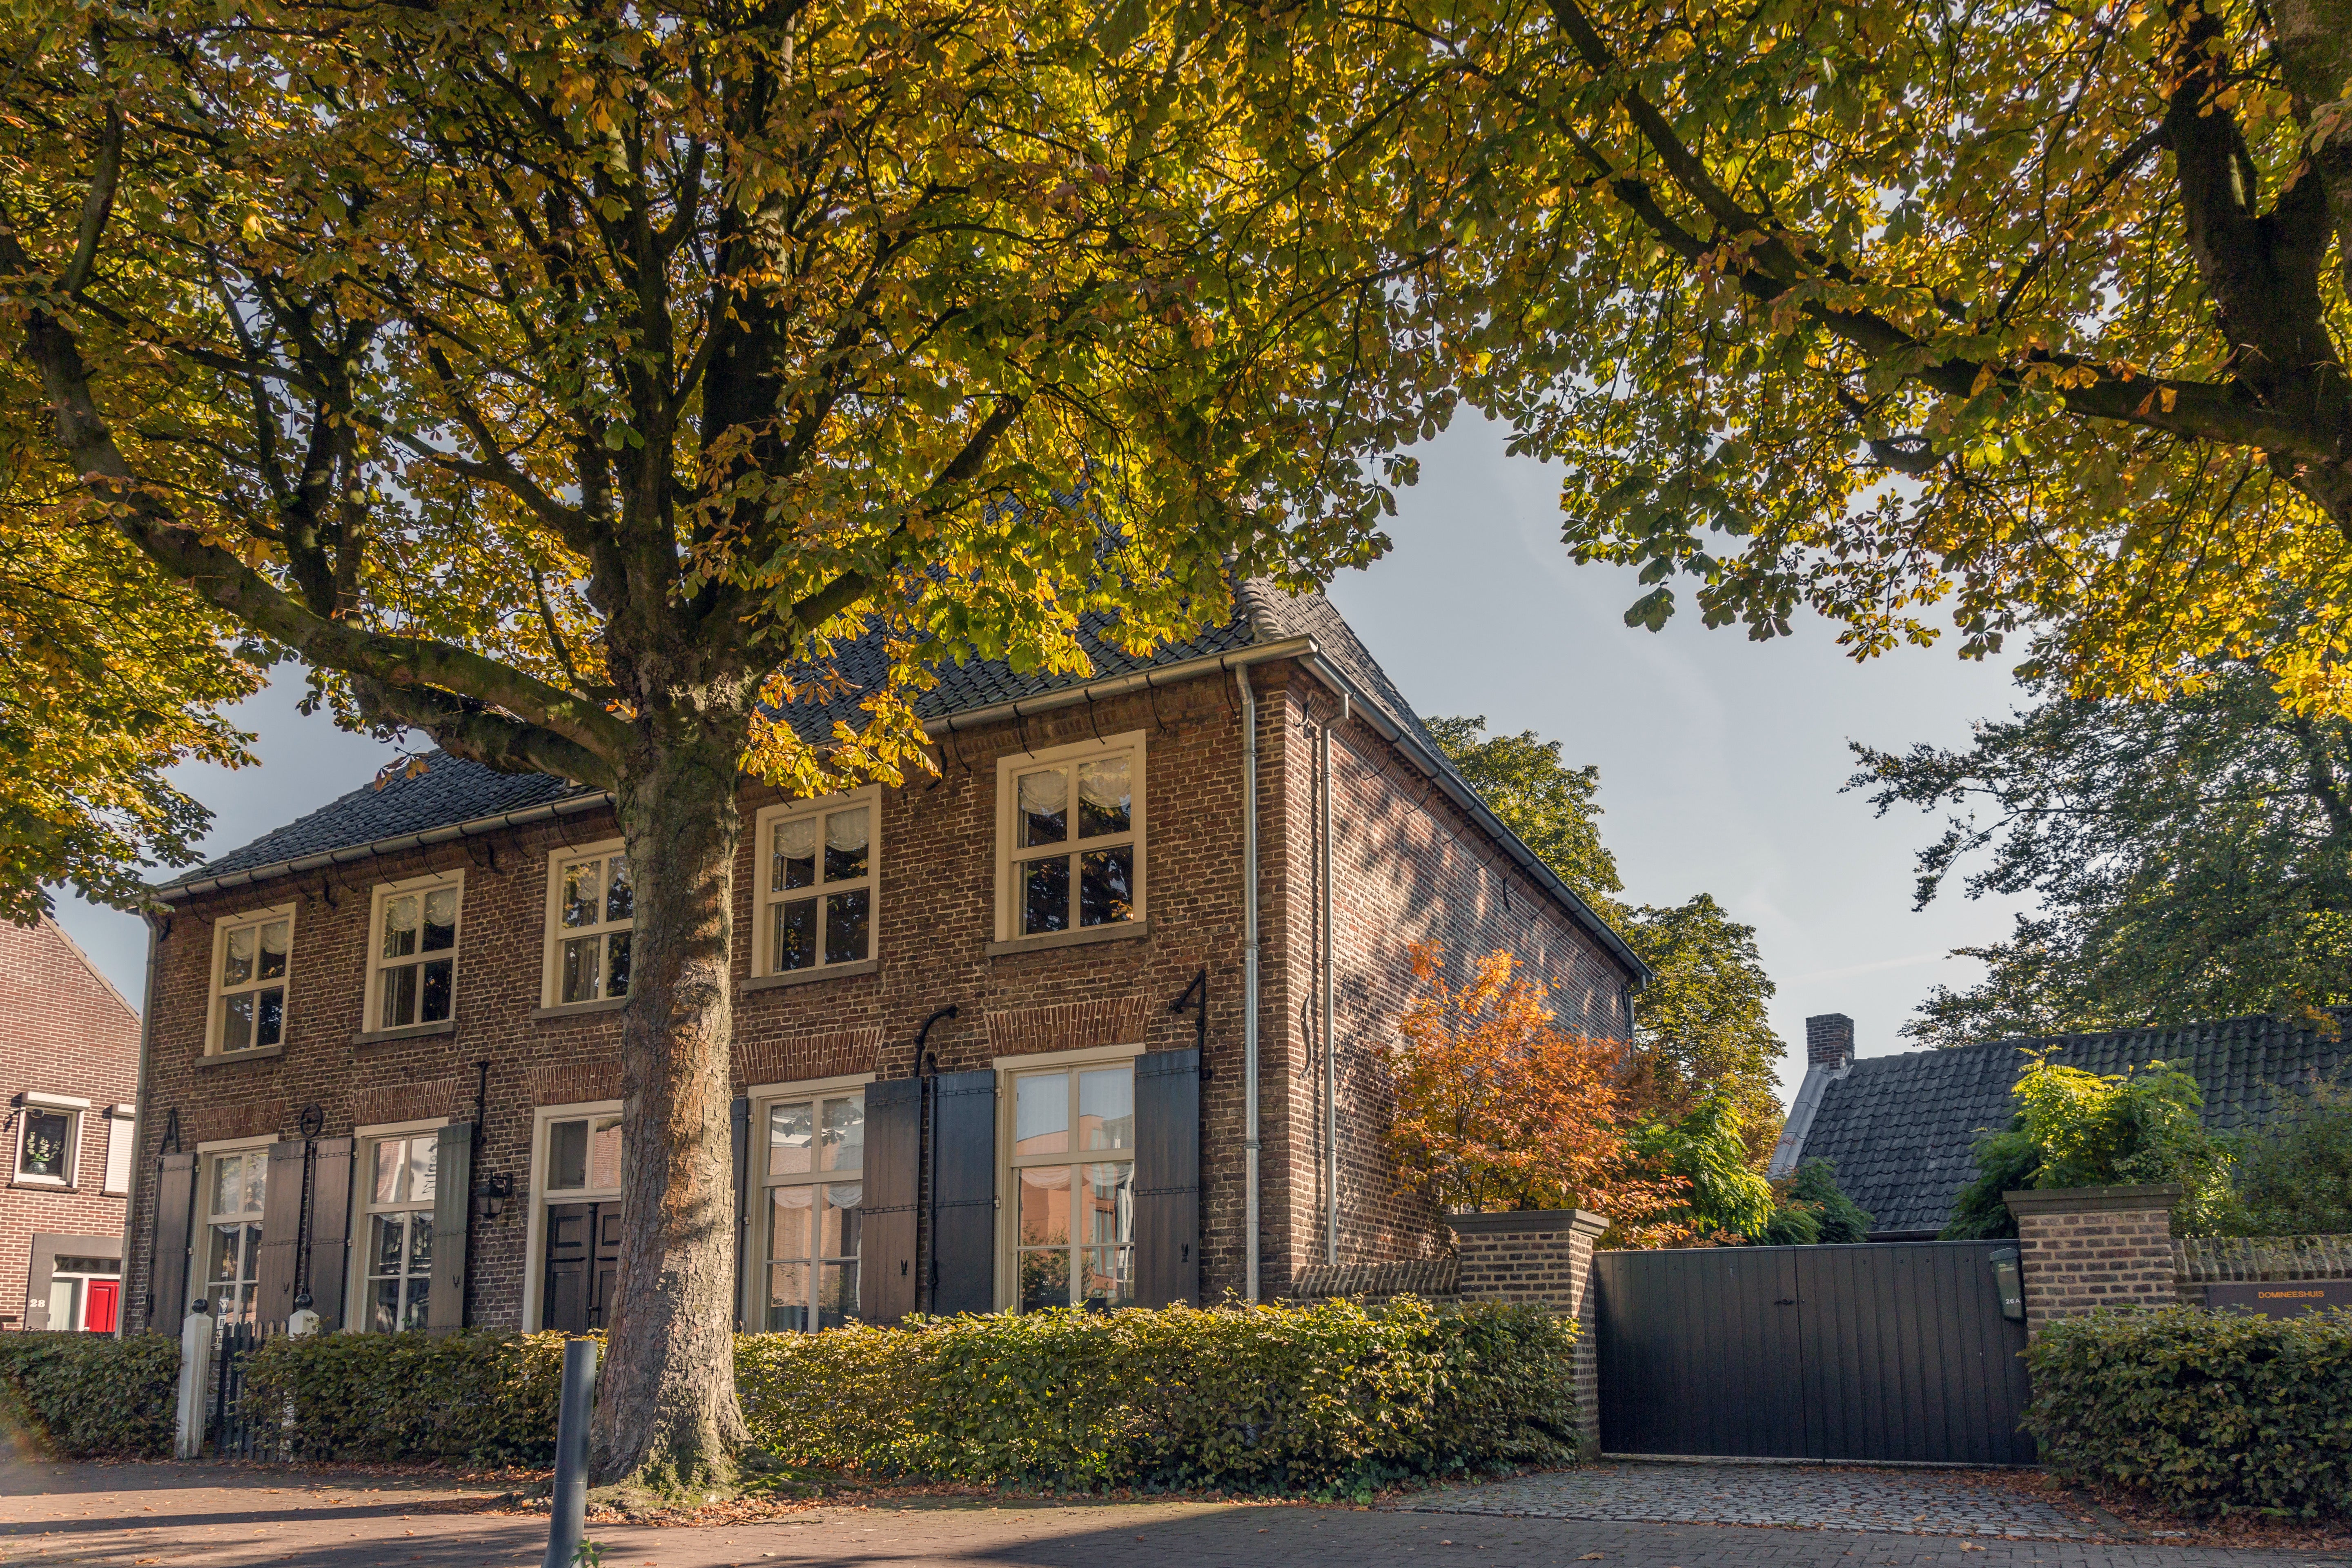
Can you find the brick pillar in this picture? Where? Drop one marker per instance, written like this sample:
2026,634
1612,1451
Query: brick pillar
2085,1247
1544,1258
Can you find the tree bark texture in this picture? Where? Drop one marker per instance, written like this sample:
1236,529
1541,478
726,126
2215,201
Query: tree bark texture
667,1416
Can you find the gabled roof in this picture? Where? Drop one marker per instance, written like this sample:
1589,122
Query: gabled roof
1902,1129
454,799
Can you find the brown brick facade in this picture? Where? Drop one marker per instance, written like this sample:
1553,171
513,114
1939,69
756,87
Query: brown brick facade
1407,860
2082,1248
64,1032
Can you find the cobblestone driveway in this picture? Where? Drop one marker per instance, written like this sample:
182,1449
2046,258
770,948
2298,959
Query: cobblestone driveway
1812,1497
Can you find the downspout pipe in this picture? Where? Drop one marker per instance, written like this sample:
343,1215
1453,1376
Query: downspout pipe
1330,1041
139,1096
1249,985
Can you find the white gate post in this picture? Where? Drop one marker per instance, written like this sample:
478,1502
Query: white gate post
195,1380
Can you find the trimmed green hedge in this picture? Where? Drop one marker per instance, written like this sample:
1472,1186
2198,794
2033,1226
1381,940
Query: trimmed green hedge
93,1395
1335,1396
469,1398
2210,1413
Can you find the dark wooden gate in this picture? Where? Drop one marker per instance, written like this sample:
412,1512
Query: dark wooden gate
1886,1350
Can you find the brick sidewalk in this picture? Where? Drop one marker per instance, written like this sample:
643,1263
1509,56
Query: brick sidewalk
169,1516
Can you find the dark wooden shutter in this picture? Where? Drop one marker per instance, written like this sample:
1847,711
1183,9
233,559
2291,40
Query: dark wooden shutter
1168,1178
564,1296
453,1209
738,1121
175,1209
330,1229
281,1235
886,1266
964,1207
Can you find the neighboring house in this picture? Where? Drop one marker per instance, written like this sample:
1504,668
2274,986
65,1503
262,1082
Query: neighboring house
385,1072
69,1060
1902,1129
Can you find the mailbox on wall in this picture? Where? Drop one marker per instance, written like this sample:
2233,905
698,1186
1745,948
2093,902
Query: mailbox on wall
2011,1280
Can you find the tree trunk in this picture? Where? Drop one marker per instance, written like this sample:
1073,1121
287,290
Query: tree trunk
666,1420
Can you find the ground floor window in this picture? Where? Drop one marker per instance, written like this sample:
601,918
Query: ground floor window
1071,1180
397,1231
812,1178
232,1234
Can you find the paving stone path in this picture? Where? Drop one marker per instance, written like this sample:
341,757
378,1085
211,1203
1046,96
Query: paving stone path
1809,1497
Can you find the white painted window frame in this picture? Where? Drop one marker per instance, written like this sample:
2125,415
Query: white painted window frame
766,898
558,933
763,1098
378,966
535,1222
1008,1164
207,1160
75,1111
364,1142
1010,855
216,1009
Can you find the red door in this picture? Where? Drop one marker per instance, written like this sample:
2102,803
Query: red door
98,1305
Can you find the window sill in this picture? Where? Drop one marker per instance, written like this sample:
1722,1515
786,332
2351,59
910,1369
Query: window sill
40,1184
405,1032
223,1059
1126,930
580,1009
809,976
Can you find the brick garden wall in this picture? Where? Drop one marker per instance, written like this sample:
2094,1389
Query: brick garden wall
2086,1248
1544,1259
63,1030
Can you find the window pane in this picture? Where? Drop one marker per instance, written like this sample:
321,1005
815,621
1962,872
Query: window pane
838,1228
1041,1117
228,1183
399,927
792,943
434,1005
420,1300
846,925
793,855
384,1308
1044,807
845,1135
792,1133
1109,1277
236,963
790,1210
581,884
1110,1205
440,919
1106,886
273,950
47,1135
567,1156
237,1021
1045,1279
387,1243
391,1165
788,1298
420,1243
1104,803
1046,896
1107,1108
256,1172
620,898
616,964
578,979
269,1016
222,1267
836,1294
605,1153
845,839
424,1161
1045,1207
399,997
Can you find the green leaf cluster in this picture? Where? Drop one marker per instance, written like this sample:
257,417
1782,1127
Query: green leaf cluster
2192,858
2294,1177
476,1397
1812,1207
2208,1413
1706,1152
93,1396
1332,1398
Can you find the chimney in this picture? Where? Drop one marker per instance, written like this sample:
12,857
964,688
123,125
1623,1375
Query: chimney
1829,1041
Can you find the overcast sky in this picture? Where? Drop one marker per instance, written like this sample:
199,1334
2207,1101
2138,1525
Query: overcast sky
1720,759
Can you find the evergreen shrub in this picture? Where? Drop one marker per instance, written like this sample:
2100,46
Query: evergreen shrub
469,1398
2208,1413
93,1396
1335,1397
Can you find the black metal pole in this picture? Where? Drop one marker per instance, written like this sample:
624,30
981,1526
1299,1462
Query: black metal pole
568,1517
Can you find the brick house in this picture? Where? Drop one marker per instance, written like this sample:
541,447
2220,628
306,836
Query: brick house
383,1068
69,1056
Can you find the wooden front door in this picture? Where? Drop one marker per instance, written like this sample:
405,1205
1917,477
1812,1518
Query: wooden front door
584,1267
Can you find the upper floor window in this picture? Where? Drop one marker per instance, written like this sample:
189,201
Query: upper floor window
1070,830
817,885
590,909
413,958
49,1135
249,964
